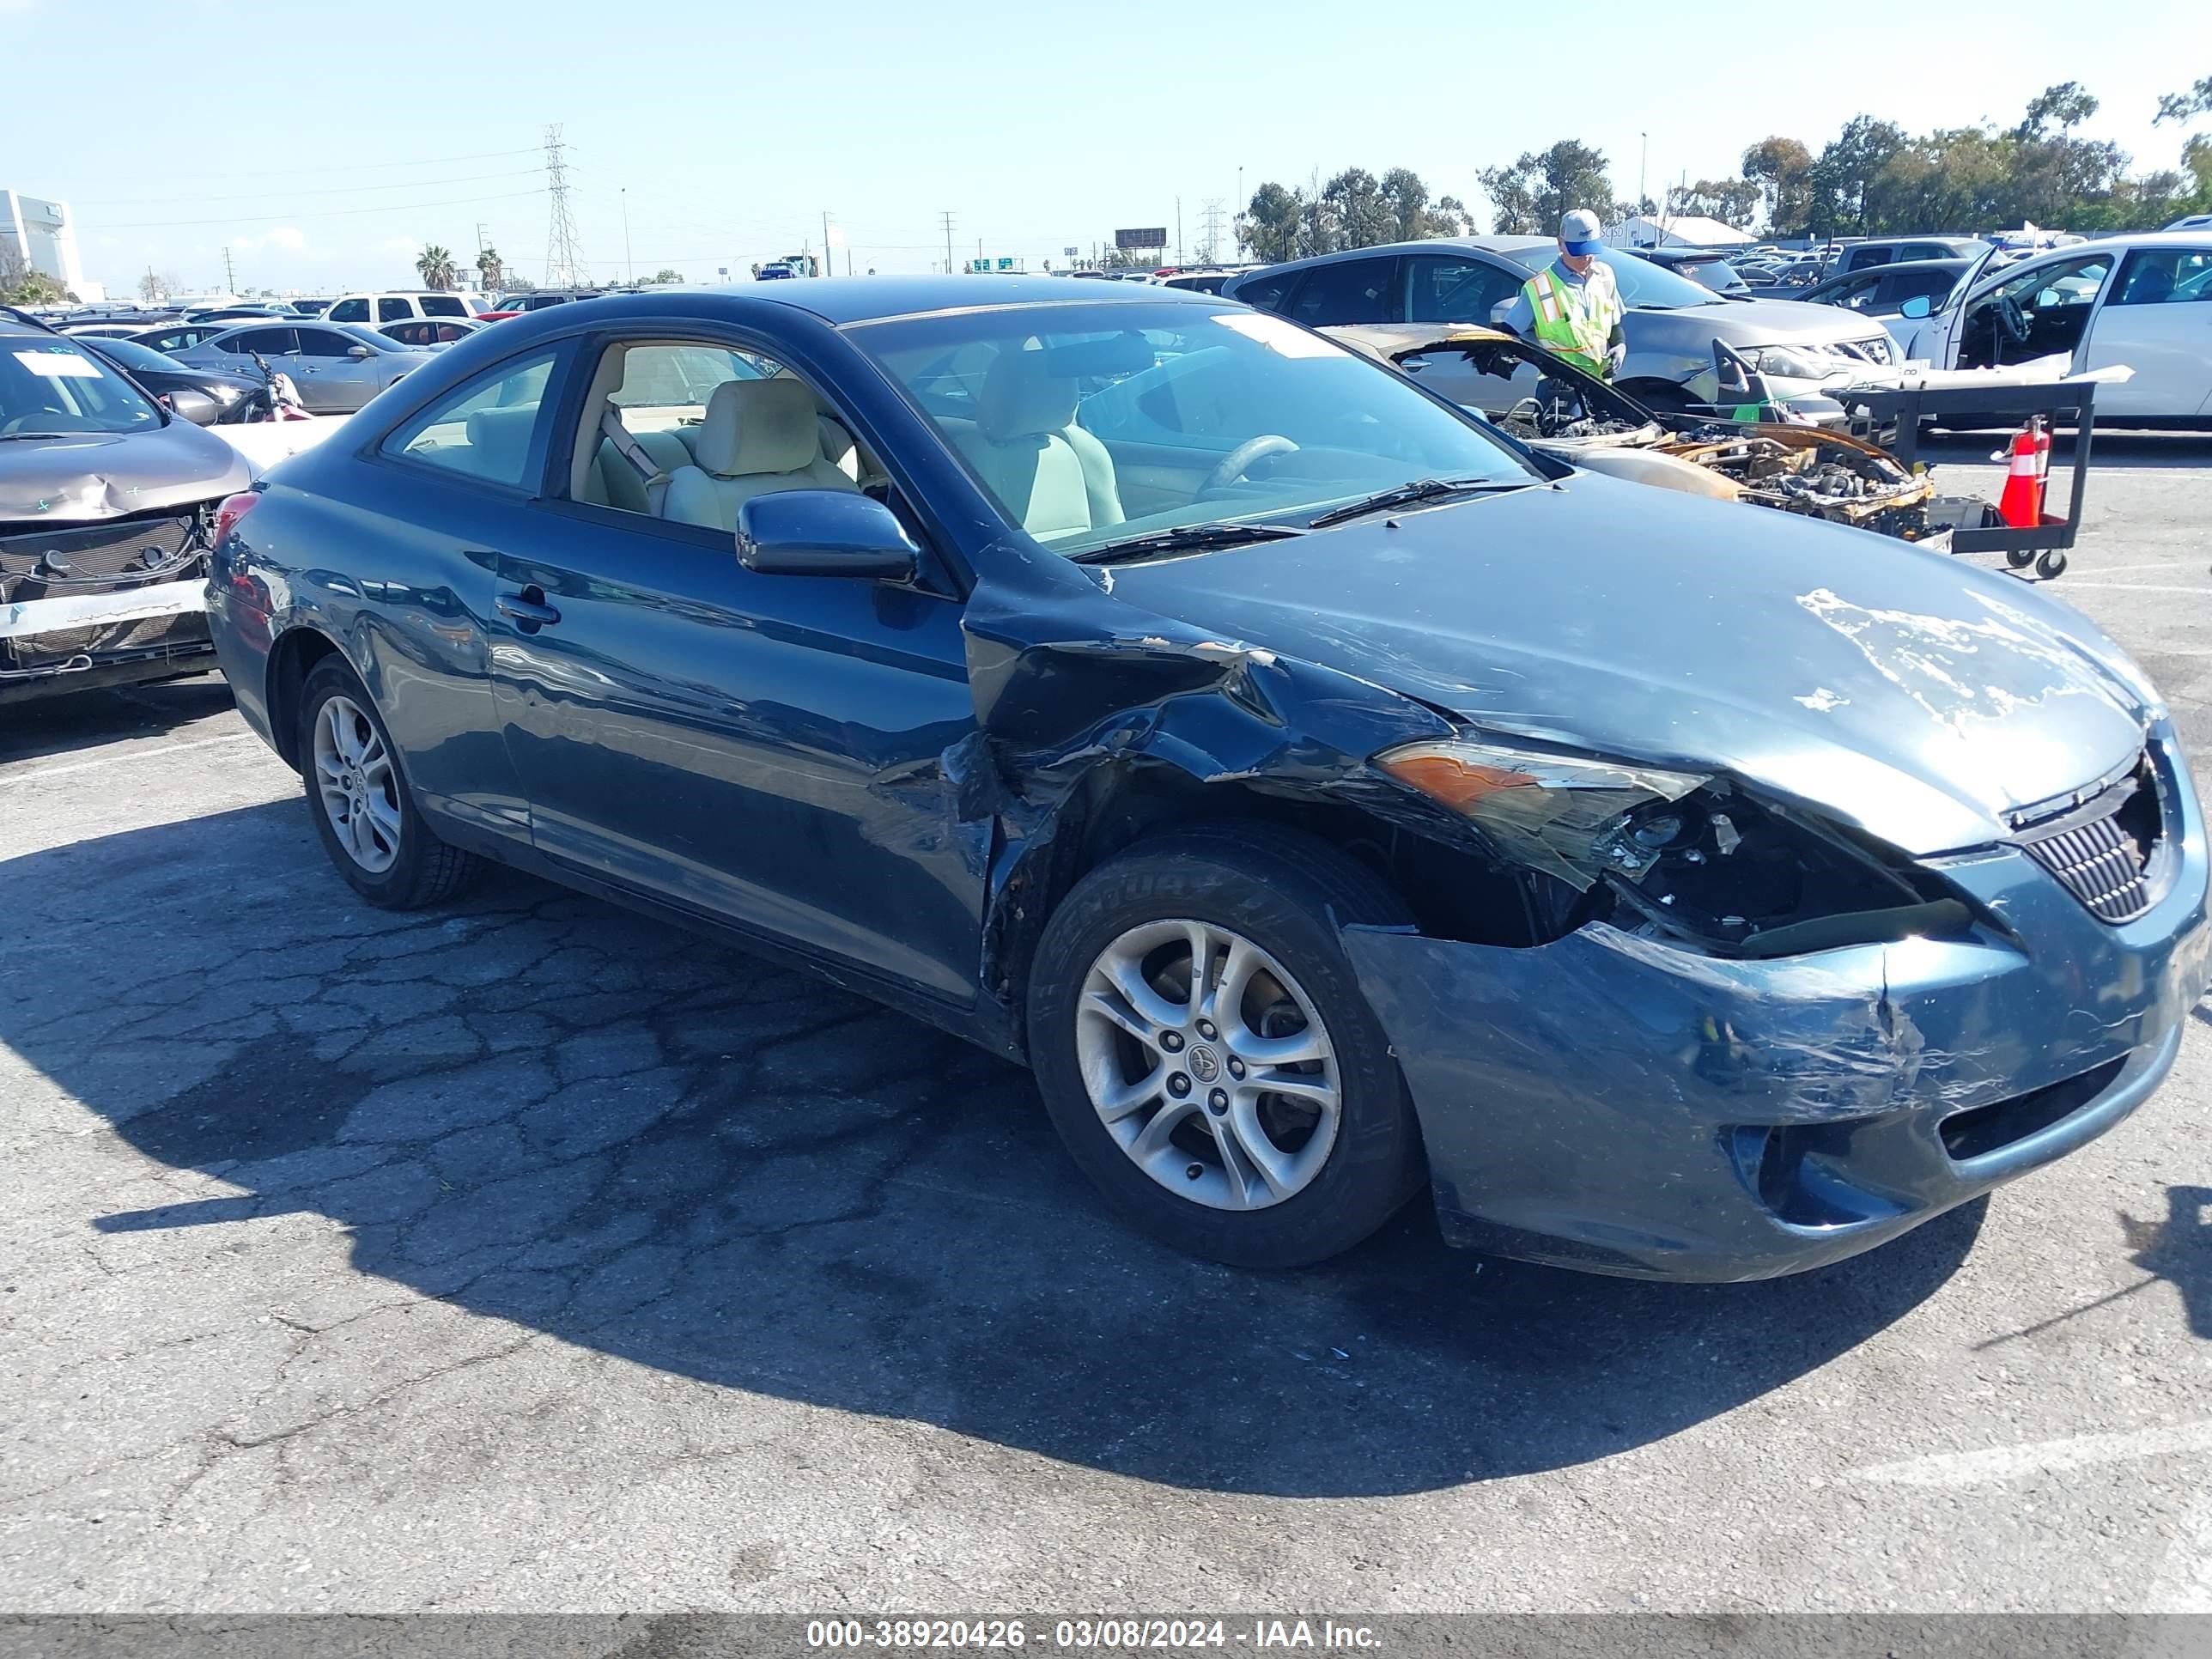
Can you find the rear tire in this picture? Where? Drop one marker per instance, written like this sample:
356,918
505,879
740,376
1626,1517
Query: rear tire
1163,1099
359,802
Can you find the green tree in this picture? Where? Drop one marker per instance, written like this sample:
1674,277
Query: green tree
1732,201
2185,105
1846,188
1271,223
1528,197
434,265
1363,216
665,274
2064,106
488,272
20,285
1783,170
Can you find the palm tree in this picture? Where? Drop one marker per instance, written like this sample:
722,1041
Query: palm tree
435,266
487,270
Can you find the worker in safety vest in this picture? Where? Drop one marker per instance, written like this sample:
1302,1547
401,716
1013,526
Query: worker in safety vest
1572,307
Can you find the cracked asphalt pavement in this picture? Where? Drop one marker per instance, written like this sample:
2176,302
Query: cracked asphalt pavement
528,1256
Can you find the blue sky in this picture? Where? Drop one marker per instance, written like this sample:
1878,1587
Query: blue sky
733,127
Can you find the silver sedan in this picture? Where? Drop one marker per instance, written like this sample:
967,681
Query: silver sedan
338,368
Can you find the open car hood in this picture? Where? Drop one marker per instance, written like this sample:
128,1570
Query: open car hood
1922,701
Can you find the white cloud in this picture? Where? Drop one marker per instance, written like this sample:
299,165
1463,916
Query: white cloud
290,237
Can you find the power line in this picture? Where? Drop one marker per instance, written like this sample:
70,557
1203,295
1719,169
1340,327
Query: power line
564,260
351,166
341,189
947,217
320,213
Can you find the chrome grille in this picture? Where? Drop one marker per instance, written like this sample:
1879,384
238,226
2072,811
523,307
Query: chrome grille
2106,851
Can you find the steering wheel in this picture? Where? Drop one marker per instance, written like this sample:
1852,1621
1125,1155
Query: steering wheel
1238,461
2012,319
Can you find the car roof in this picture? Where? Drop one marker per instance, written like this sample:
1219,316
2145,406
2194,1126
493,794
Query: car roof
841,300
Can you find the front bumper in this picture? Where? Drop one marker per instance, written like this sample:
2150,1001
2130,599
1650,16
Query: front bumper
1614,1103
113,602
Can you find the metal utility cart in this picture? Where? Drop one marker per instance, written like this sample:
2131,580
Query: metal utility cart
1892,416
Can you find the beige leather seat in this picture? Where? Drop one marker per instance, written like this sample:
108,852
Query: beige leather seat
758,436
499,441
613,482
1053,477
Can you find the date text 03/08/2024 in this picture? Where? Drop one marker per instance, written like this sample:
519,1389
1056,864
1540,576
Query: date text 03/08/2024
1078,1635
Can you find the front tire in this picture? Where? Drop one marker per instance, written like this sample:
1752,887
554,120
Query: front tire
1206,1053
359,802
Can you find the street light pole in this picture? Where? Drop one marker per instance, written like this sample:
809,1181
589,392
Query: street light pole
627,259
1643,161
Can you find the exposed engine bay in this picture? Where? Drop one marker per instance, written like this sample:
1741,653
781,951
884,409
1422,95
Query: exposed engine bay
1563,412
77,597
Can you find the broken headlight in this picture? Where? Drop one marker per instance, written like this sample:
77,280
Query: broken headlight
1678,855
1795,362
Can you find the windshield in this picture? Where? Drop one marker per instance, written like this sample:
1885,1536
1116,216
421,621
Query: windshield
1643,286
53,385
1090,424
131,355
1718,274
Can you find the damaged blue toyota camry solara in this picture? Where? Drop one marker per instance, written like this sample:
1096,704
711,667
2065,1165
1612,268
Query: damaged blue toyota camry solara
1325,796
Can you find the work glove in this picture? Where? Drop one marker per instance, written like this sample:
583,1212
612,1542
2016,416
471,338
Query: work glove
1614,359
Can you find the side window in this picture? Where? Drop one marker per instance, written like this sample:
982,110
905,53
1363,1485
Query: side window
442,305
773,436
484,431
676,381
1353,291
1267,292
326,343
389,310
1865,259
348,311
1489,380
268,342
2157,277
2061,283
1457,291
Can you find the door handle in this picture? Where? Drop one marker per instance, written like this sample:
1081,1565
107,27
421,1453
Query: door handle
527,609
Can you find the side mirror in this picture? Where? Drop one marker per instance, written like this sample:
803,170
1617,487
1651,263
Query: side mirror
194,406
824,532
360,353
1917,307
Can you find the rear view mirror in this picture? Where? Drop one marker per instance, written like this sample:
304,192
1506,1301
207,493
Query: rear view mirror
1917,307
360,352
824,532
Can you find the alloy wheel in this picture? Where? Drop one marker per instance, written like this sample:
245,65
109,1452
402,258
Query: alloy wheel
357,784
1208,1065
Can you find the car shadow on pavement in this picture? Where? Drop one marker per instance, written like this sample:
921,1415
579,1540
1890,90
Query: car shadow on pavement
545,1110
90,720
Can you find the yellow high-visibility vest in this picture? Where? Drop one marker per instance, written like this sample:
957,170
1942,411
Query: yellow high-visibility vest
1575,320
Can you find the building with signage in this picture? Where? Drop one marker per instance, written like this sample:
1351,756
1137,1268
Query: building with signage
42,235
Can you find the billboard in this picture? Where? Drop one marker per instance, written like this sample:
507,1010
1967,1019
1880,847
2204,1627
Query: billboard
1146,236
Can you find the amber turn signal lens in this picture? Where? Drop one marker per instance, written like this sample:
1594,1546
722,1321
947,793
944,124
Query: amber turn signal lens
1456,781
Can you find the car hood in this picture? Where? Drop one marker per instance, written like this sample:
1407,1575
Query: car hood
1771,322
87,476
1922,700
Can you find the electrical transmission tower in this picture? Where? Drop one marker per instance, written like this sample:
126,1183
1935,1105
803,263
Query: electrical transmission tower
1209,250
564,264
947,216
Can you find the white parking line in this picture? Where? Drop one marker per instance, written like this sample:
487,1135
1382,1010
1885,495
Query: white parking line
2043,1456
2145,587
127,755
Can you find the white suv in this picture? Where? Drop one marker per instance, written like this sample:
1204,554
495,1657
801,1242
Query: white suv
402,306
